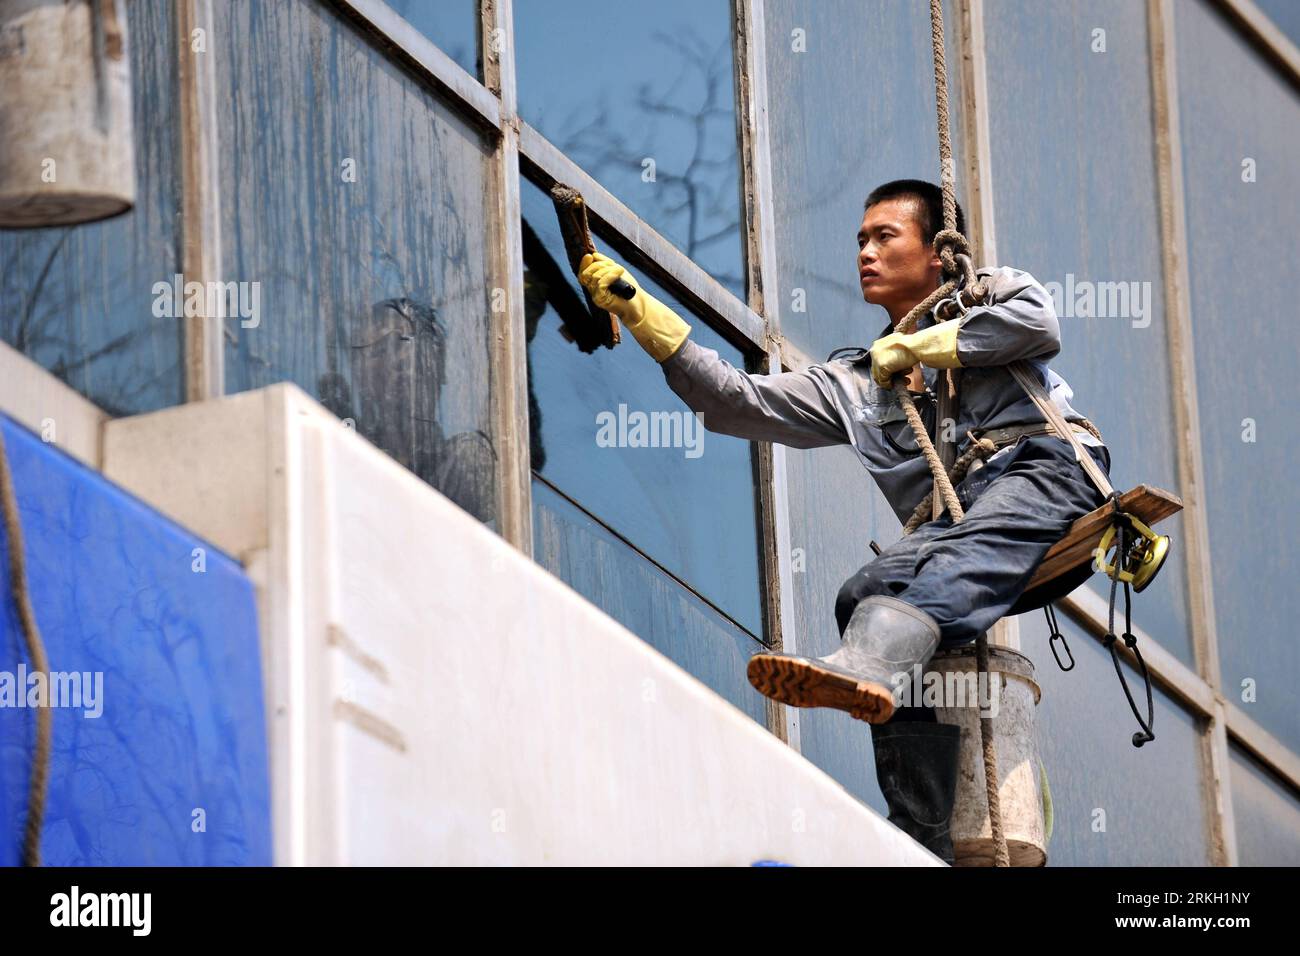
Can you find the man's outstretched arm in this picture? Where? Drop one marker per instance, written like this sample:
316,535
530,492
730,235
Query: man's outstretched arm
792,408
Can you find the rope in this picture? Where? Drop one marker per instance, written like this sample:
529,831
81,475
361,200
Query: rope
941,479
951,245
980,449
31,851
1002,855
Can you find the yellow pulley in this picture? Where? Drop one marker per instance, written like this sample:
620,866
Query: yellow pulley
1144,557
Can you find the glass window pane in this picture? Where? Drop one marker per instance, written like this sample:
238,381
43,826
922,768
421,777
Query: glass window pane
451,24
78,299
642,98
362,207
851,92
1241,149
585,555
1148,799
1083,217
690,504
1267,812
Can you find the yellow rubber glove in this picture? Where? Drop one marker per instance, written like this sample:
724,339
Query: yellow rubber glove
895,352
658,328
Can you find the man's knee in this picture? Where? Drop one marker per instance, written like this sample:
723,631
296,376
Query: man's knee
862,585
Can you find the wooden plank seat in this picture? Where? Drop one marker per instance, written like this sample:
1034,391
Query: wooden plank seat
1147,503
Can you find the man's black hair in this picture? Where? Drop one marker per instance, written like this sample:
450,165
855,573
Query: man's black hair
931,204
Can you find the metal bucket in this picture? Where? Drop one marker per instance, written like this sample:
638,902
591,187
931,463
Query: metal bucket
1012,686
66,150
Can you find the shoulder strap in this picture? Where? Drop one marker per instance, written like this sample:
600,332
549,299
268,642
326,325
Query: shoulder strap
1023,374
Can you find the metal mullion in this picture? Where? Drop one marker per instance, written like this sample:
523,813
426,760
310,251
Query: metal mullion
1267,748
761,290
977,152
203,355
474,100
1187,426
1260,29
642,245
508,337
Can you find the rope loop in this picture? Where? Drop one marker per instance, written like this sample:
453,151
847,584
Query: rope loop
949,243
1113,498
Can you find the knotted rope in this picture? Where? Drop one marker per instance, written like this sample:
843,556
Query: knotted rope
950,245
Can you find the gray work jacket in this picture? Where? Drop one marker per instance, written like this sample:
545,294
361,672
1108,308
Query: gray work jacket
837,402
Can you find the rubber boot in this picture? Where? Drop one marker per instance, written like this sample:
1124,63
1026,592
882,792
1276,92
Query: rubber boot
884,637
916,767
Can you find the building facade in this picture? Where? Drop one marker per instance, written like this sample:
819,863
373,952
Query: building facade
374,177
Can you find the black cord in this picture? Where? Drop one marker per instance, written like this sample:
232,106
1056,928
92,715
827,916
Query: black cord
1145,734
1122,527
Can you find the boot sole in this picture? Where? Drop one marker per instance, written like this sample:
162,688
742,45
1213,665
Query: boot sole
801,683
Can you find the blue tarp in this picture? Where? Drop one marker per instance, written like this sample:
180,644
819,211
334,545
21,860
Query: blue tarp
173,770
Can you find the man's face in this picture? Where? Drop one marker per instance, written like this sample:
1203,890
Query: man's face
896,267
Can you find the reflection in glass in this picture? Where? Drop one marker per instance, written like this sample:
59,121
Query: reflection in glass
361,205
79,300
581,552
641,96
691,507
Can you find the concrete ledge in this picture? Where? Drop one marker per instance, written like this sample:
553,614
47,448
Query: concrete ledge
58,414
436,697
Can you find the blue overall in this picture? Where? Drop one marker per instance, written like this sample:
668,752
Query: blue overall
968,575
